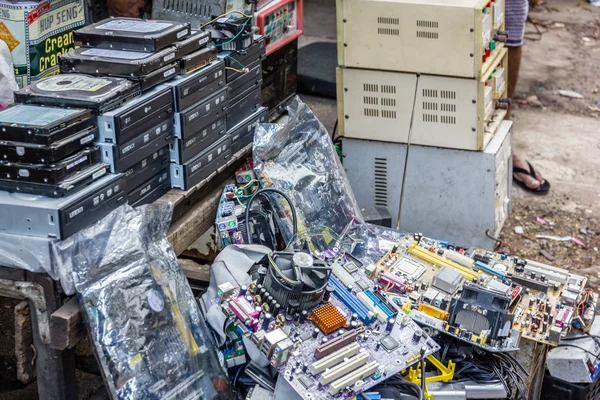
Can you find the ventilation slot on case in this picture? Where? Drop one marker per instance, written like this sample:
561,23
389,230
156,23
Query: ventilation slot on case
387,102
430,118
381,182
371,112
427,35
430,93
448,94
388,114
389,31
369,87
388,89
446,107
430,106
447,119
427,24
371,100
388,21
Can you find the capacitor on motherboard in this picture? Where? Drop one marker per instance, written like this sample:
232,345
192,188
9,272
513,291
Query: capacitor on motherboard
303,315
305,367
378,346
262,292
328,290
354,324
270,300
297,317
243,290
354,317
292,307
545,326
390,324
258,309
550,318
417,336
267,321
315,333
249,298
279,308
324,340
543,278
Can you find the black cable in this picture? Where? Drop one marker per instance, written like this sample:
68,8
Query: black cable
597,356
586,336
235,382
270,190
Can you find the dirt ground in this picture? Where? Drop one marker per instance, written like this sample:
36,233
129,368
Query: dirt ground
560,135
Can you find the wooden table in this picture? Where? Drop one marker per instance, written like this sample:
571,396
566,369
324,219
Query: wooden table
56,319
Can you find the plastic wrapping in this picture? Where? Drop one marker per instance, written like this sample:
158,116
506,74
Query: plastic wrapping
368,243
145,325
300,159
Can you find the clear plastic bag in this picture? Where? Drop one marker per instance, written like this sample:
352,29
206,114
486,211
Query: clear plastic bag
299,158
145,324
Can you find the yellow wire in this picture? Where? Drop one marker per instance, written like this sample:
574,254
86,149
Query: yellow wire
227,13
235,69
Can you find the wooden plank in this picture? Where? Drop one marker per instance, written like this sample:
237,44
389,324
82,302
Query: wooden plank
195,271
188,228
24,344
66,325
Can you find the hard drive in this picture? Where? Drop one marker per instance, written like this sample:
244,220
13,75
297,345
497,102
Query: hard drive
139,192
245,81
198,59
53,173
243,134
42,125
190,89
115,62
147,168
136,116
256,52
248,104
100,94
39,154
123,157
196,41
195,118
132,34
23,214
188,175
159,76
184,150
67,186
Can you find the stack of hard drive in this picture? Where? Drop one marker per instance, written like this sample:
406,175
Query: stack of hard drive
244,79
53,181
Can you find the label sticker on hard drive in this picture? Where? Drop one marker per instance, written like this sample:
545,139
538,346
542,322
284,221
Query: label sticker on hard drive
134,26
65,83
123,55
23,114
155,300
169,57
99,174
87,139
169,72
203,40
181,34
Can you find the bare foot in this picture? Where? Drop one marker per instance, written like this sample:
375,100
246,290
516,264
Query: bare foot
528,180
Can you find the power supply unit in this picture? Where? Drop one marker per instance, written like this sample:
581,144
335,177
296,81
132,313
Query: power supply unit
452,38
449,112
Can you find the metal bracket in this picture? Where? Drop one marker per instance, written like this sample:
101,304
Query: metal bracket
35,293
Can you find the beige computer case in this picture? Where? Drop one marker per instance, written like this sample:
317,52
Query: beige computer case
448,112
439,37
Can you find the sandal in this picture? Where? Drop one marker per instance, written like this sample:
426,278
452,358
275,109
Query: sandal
542,189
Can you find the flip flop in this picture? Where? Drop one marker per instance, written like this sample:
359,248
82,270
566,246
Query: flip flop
542,189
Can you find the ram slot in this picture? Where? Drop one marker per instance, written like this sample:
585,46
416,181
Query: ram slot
434,259
352,378
372,306
343,275
490,270
334,358
344,368
379,303
351,302
337,343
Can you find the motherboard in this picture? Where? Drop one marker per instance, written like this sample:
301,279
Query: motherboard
324,325
489,300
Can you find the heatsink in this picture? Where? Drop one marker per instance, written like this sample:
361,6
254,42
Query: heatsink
328,318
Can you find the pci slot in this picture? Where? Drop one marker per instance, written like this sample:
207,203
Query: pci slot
490,270
379,303
352,378
334,358
371,306
434,259
344,368
350,301
337,343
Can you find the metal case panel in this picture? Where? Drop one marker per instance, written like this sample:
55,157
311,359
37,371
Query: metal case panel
424,36
439,200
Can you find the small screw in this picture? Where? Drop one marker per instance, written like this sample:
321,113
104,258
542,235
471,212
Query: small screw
473,129
474,101
345,44
346,117
345,20
345,89
471,54
472,30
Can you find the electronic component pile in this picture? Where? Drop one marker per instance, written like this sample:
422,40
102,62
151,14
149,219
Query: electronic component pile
487,299
322,325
